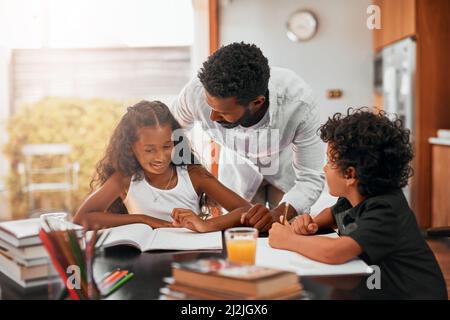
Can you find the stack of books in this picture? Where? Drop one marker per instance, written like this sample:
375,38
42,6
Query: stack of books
217,279
23,258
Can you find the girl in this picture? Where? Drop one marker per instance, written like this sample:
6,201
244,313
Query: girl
146,175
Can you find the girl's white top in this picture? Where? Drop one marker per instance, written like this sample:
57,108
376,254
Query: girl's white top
143,198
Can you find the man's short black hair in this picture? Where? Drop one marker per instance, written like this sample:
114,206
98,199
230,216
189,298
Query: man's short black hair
237,70
378,148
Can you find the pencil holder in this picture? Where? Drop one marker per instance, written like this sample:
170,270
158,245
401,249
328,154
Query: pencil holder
71,254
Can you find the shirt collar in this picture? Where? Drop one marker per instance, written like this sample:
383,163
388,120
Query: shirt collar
274,102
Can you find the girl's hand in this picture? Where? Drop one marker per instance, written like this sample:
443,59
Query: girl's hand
280,235
304,225
185,218
156,223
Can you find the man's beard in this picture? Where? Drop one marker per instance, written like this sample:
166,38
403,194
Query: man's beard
245,119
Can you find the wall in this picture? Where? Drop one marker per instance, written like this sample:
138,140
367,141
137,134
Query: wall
200,46
154,73
340,55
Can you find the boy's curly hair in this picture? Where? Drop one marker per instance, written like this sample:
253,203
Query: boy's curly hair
379,149
237,70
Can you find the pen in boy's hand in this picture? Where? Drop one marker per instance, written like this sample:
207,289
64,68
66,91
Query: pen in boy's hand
286,208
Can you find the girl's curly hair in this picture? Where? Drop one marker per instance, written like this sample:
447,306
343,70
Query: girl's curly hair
119,156
379,149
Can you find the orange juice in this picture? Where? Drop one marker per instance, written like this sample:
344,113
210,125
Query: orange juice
241,251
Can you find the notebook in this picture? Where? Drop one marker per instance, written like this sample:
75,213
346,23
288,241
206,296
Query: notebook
179,291
17,271
25,232
225,278
24,253
144,238
267,256
20,233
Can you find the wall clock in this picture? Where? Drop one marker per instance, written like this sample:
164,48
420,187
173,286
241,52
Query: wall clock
301,25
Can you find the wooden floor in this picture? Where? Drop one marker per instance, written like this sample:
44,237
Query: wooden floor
441,249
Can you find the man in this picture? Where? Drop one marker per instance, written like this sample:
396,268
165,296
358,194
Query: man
266,122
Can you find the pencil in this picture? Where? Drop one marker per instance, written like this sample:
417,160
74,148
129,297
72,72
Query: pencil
286,208
50,246
120,283
110,281
89,256
108,274
102,241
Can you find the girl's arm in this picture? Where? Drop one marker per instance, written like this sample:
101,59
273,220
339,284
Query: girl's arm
188,219
319,248
93,214
203,181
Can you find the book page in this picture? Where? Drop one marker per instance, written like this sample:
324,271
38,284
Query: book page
136,234
184,239
27,228
267,256
22,228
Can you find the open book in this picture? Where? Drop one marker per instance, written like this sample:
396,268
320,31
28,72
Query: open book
144,238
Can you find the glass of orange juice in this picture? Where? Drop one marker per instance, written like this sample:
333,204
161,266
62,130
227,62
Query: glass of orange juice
241,244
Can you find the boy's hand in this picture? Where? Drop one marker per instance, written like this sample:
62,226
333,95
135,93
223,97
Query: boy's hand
304,224
185,218
280,235
258,217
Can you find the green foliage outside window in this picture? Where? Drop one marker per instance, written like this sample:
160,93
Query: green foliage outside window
86,125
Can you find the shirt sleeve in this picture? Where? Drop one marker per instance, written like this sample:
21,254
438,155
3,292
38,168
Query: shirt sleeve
183,106
376,231
308,160
341,204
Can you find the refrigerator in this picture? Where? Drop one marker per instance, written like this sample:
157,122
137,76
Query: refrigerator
395,69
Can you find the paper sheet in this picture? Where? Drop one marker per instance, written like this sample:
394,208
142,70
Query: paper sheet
267,256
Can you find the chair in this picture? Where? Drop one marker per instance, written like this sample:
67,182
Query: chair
438,232
47,168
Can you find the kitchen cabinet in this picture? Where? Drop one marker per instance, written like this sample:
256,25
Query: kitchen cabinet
440,203
398,21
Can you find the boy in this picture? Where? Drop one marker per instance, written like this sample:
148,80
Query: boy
368,163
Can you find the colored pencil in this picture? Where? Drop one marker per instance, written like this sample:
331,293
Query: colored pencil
119,283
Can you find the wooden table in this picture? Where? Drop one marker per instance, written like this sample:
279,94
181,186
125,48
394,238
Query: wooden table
150,268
